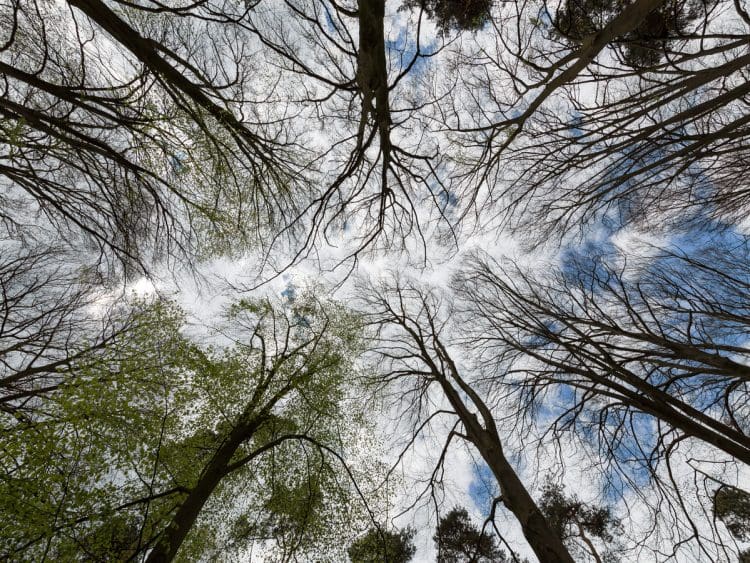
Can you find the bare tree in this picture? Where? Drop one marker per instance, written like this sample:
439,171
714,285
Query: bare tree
367,89
566,126
638,359
130,125
410,344
664,344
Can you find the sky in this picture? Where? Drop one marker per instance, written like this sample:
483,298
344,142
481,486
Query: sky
426,254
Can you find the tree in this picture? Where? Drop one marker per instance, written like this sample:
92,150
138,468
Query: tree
410,321
640,359
157,452
381,173
121,135
191,125
458,540
383,545
732,506
623,124
455,14
643,45
48,333
652,344
637,366
572,519
136,135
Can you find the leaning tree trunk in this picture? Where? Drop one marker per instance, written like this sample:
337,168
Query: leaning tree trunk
171,539
547,545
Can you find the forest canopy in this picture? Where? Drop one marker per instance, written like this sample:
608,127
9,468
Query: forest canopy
375,280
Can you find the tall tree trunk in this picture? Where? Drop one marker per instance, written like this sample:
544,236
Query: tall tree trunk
171,539
372,78
547,545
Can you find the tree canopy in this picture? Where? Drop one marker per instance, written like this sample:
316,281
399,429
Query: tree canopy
383,545
157,451
458,539
302,280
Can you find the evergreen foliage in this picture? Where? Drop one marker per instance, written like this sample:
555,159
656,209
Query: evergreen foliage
459,540
454,15
378,545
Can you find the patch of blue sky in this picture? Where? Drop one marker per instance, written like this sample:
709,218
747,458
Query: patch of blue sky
445,198
623,192
630,447
708,244
710,233
544,16
289,292
576,120
633,472
328,19
587,260
697,232
483,488
404,48
538,342
590,263
178,161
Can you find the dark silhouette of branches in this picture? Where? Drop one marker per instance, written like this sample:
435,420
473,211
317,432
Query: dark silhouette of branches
381,163
631,112
639,360
410,345
664,344
50,329
133,130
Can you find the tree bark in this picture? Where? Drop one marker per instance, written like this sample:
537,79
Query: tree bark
547,545
171,539
372,77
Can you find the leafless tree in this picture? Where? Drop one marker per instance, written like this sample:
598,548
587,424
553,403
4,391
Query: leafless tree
412,352
638,359
131,125
368,89
667,343
567,127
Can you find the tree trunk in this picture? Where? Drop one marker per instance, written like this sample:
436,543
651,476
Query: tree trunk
372,78
171,539
547,545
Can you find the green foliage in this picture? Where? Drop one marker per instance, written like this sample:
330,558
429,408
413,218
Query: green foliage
11,132
571,518
732,506
643,47
459,15
116,540
381,545
102,471
459,540
64,469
